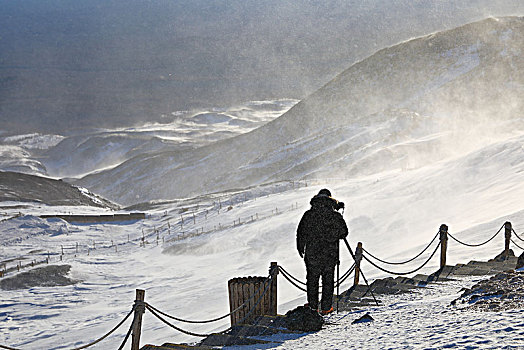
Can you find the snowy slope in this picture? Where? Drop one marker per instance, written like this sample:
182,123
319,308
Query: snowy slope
393,213
447,93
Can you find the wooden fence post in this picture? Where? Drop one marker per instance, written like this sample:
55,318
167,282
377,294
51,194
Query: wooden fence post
137,320
273,270
443,244
508,228
358,259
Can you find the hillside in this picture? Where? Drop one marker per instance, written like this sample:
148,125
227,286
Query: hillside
17,187
427,99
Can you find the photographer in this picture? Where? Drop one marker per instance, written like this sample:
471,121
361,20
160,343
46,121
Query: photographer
318,235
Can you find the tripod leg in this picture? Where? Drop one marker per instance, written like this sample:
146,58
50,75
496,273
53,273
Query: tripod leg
338,284
362,273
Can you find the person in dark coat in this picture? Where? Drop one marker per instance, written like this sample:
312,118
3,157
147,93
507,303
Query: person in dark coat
318,235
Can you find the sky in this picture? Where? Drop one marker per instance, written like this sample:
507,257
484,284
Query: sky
69,65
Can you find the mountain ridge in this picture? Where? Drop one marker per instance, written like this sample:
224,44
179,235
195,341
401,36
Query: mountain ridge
400,81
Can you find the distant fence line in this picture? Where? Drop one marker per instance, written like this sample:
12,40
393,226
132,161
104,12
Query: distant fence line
167,232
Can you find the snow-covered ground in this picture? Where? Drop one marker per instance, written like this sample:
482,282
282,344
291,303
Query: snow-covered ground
421,320
395,214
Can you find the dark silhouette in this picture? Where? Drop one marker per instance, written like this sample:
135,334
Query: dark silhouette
318,235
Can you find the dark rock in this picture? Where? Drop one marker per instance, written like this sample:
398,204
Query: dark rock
48,276
364,319
520,261
303,319
504,291
502,256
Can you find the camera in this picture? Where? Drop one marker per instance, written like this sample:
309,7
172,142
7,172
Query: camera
338,205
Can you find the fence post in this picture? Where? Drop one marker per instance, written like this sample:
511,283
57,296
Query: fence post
273,270
508,228
137,320
358,259
443,244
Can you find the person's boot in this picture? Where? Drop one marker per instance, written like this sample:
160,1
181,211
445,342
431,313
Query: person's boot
326,312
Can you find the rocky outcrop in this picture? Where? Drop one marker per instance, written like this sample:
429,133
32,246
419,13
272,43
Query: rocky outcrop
504,291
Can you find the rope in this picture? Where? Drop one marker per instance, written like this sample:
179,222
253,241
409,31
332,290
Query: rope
173,326
402,262
293,282
96,341
126,337
345,276
515,233
108,333
215,319
476,245
7,347
342,279
512,241
402,273
290,275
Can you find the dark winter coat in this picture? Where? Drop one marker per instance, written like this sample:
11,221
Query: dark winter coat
320,230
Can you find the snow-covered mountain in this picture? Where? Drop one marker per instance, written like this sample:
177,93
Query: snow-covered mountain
442,95
90,151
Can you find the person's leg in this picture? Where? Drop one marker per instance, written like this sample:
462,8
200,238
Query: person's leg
328,276
312,276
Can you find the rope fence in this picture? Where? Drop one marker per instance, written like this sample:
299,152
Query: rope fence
402,262
97,340
141,306
269,284
362,253
476,245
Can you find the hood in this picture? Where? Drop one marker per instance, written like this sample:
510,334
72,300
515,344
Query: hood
322,202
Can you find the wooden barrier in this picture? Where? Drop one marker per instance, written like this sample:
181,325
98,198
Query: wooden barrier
242,289
248,290
443,244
